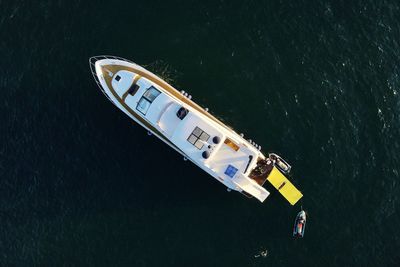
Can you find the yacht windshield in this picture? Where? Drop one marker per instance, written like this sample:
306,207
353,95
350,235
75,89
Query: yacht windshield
151,94
146,100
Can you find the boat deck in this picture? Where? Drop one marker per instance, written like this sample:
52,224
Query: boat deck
261,172
194,134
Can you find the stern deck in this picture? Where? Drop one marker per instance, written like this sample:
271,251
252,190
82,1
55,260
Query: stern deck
261,172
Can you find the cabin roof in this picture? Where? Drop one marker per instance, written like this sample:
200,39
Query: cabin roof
194,135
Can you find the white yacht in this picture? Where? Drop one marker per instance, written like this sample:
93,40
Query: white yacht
191,130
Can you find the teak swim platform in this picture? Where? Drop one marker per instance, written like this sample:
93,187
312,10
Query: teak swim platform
191,130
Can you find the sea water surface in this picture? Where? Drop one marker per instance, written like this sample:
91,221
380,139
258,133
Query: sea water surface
317,82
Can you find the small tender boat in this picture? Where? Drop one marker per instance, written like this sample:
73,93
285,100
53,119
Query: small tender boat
279,162
299,224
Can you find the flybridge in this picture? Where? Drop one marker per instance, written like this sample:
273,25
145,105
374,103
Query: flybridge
189,129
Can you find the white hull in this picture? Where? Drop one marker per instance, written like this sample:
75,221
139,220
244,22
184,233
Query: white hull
181,124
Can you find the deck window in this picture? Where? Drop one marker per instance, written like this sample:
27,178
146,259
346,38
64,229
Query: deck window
146,100
198,137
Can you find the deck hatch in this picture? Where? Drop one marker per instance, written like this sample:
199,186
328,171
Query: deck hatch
231,171
181,113
133,89
231,144
198,138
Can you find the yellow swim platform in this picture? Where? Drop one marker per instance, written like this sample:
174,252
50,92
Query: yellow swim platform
284,186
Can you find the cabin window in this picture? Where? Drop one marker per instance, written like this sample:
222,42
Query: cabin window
146,100
198,138
117,78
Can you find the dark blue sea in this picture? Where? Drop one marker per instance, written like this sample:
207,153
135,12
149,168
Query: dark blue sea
317,82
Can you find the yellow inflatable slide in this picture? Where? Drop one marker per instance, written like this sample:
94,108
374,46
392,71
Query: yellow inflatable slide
284,186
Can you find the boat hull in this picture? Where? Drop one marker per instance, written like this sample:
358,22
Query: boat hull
299,224
129,94
114,64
